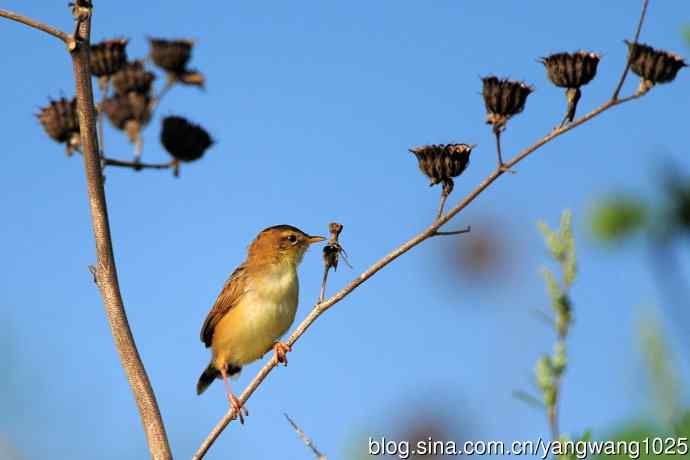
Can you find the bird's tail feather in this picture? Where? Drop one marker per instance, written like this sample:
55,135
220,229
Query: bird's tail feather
207,377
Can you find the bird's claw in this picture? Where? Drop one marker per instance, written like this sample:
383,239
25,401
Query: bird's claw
281,349
238,407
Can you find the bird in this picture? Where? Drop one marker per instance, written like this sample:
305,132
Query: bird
255,307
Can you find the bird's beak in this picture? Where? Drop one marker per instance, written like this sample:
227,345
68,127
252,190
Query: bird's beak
315,239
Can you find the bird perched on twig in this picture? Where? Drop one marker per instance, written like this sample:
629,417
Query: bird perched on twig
256,306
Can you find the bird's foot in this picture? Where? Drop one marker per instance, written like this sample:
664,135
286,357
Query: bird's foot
238,407
281,349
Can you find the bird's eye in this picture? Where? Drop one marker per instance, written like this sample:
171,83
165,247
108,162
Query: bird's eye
292,238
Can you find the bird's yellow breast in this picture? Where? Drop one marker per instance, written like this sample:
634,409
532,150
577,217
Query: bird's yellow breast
262,315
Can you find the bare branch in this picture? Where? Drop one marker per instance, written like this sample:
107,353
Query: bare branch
137,166
307,440
645,4
66,38
105,271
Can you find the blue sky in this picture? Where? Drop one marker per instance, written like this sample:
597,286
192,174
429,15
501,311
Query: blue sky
313,106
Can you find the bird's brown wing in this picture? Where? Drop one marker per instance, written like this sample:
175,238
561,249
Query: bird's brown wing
233,289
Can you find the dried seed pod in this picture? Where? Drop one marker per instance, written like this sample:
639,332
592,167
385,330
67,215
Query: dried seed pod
333,249
61,123
171,55
185,141
503,98
107,57
442,162
571,70
133,77
652,65
132,106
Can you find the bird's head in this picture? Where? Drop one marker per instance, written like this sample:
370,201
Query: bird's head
281,243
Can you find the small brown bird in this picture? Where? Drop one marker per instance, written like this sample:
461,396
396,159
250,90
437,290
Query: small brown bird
256,306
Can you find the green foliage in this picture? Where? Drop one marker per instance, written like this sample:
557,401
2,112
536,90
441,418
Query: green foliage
615,219
638,433
559,360
549,369
561,246
662,369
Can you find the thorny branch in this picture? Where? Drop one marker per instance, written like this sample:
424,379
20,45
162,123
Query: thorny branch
427,233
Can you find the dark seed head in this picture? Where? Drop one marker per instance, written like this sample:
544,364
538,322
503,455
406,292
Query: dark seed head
171,55
59,119
571,70
107,57
503,98
442,162
185,141
123,108
133,77
652,65
61,122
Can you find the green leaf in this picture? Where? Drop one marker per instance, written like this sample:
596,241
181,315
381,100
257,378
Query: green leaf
615,219
555,291
528,399
552,241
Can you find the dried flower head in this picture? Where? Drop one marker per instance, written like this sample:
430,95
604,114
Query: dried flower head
503,98
129,112
332,250
571,70
61,123
107,57
173,56
652,65
133,77
442,162
185,141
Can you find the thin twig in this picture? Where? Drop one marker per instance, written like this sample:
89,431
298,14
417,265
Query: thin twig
136,165
454,232
552,415
322,294
448,186
442,202
645,4
57,33
321,307
106,271
499,155
309,443
156,100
